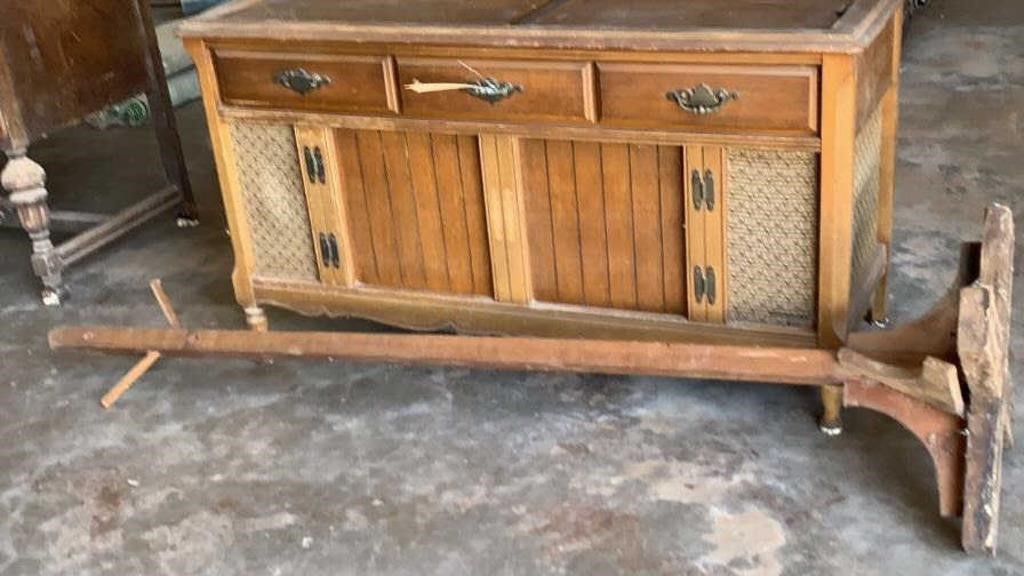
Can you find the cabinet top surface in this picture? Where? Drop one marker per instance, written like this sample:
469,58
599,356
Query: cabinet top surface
813,25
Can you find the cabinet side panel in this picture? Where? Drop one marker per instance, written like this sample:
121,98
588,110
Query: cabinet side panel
773,237
275,201
867,179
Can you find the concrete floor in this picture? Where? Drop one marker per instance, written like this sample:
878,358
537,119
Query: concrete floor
235,467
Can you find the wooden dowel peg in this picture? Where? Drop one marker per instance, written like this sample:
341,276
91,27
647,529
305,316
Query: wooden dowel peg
129,379
151,357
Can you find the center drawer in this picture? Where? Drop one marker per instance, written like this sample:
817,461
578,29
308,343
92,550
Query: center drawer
710,96
510,90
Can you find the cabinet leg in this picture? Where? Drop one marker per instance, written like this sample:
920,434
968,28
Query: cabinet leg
256,318
879,312
25,181
831,423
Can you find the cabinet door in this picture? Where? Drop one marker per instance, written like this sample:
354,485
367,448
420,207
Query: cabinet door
415,210
704,181
604,224
316,154
274,223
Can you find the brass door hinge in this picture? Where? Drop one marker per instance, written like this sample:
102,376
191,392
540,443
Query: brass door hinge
315,170
330,256
703,188
704,285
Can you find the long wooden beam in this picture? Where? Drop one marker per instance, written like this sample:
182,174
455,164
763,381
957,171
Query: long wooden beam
745,363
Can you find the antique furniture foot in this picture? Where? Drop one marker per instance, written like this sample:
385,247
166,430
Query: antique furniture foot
831,422
256,318
25,181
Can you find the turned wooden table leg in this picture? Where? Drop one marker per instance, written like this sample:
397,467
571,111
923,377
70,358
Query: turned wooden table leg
25,181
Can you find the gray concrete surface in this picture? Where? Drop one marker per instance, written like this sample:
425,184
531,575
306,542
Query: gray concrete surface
234,467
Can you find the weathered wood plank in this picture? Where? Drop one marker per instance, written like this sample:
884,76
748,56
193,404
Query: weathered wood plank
982,344
934,382
722,362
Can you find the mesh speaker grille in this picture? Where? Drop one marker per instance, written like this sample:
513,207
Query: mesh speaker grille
275,201
773,237
867,166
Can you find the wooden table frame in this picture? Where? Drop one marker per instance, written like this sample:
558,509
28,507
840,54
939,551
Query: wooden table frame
944,377
25,180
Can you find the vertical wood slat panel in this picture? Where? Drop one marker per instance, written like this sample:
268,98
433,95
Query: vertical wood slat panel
415,210
501,165
674,240
378,201
452,216
647,229
495,216
695,231
476,214
618,213
714,249
539,227
364,260
308,138
606,224
428,211
515,225
403,207
565,225
593,231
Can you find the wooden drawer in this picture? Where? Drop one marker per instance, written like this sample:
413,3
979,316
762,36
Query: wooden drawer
350,84
765,98
545,91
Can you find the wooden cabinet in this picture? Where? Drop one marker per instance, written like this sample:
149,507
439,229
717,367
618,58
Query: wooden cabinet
520,170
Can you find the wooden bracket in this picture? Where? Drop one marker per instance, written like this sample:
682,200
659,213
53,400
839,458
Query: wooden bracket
944,377
958,349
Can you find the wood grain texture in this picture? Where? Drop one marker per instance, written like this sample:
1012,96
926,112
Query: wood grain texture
414,210
770,98
481,315
605,224
887,177
358,84
550,91
983,340
654,24
227,176
839,122
505,219
731,363
65,59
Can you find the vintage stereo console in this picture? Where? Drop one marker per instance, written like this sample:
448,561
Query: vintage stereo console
676,173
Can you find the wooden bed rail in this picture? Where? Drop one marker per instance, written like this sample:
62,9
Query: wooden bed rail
944,377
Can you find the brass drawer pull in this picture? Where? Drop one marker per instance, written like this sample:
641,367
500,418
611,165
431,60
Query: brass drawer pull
487,89
491,90
702,99
301,80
